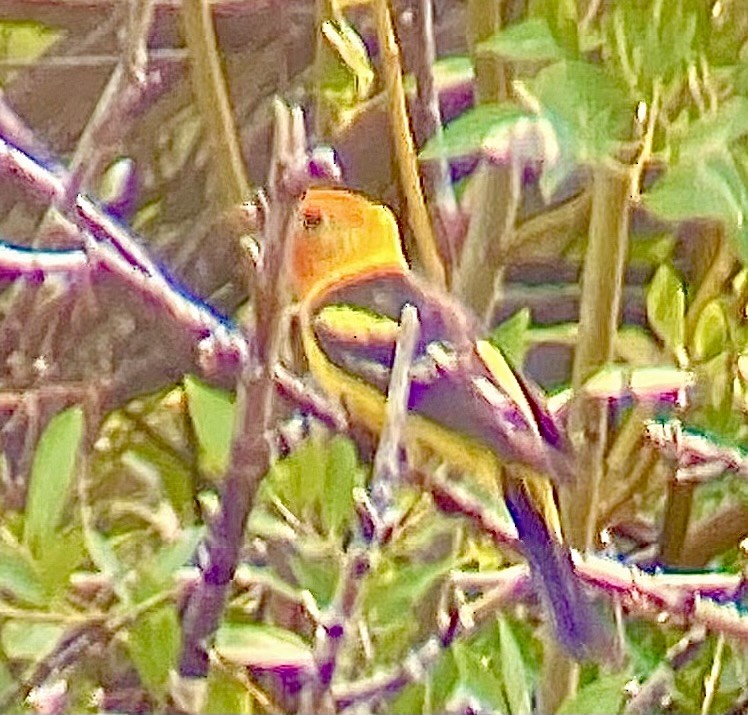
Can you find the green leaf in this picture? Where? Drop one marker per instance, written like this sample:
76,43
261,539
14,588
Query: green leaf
651,249
711,332
719,187
352,51
226,695
342,475
147,456
60,558
605,695
212,412
318,576
24,640
513,672
52,474
25,40
588,108
155,574
635,346
666,307
411,700
261,646
511,337
476,682
19,577
530,40
466,134
105,559
711,133
153,643
396,589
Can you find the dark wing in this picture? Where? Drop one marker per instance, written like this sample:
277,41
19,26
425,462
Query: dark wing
450,382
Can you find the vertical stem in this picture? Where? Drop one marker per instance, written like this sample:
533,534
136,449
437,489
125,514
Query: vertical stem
478,277
418,216
427,124
601,286
213,103
491,73
680,496
322,12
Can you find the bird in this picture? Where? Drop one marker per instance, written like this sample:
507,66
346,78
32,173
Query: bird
467,406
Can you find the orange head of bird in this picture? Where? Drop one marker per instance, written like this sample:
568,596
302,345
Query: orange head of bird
340,234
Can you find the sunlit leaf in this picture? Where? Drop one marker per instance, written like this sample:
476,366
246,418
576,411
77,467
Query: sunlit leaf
212,412
666,307
711,332
466,134
52,474
261,646
530,40
60,558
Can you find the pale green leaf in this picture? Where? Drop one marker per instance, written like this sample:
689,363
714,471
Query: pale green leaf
226,695
29,641
466,134
52,474
352,51
529,40
711,333
342,475
511,337
19,576
262,646
476,683
589,109
711,133
513,672
212,412
666,307
25,41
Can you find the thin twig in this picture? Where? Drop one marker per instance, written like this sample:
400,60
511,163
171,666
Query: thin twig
418,216
427,124
386,461
386,472
250,449
214,105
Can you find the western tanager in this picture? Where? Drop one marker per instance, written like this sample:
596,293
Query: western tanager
466,405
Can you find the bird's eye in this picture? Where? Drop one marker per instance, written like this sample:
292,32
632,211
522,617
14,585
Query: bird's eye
311,218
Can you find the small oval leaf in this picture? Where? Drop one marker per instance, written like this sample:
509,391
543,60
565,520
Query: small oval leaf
260,646
666,308
212,414
51,476
711,332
